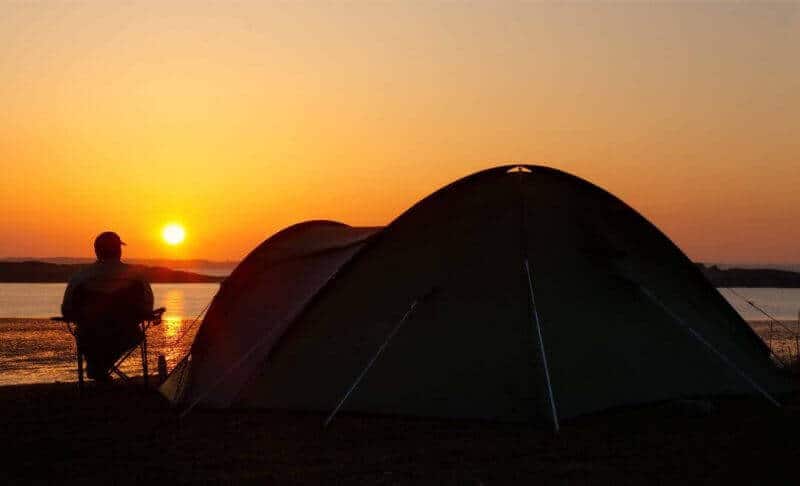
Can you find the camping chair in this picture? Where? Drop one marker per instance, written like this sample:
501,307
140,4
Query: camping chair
111,315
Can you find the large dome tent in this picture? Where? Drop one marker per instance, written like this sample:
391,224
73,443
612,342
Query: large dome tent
517,293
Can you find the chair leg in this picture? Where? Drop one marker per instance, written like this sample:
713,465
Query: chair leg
80,371
122,376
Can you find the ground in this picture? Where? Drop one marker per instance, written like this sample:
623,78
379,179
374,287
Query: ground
126,433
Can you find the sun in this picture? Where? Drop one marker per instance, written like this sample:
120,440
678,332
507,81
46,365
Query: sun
173,234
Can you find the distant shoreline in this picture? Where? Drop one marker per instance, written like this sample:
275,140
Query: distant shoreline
47,272
43,272
750,277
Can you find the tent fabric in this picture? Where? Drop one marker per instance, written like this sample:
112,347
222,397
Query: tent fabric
263,294
456,293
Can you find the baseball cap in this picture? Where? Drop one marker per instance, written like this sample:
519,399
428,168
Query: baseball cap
108,240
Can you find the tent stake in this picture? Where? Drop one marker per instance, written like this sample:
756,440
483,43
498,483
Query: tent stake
371,362
541,348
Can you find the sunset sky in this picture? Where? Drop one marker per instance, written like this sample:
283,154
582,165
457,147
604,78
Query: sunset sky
238,120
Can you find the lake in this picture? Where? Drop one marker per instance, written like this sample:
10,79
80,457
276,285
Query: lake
36,350
183,301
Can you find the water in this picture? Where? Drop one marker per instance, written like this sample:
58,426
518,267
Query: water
183,301
782,304
36,350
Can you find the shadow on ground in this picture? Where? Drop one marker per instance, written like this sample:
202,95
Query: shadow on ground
129,434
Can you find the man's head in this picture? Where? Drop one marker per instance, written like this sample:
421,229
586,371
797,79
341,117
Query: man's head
108,246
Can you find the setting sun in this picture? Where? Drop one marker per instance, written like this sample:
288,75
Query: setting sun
173,234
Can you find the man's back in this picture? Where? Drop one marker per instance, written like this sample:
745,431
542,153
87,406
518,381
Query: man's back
107,277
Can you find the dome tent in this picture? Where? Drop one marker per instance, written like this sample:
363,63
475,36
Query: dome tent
516,293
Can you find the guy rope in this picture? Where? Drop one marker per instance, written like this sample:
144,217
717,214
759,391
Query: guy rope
772,321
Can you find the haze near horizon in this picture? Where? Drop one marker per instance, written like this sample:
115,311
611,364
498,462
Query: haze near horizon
235,121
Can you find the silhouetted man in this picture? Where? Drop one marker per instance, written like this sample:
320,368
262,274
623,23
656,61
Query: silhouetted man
107,300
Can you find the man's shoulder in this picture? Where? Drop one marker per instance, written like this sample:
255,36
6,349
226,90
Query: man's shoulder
134,272
84,273
108,272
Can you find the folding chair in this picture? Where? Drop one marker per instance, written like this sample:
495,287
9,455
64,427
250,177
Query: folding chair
116,310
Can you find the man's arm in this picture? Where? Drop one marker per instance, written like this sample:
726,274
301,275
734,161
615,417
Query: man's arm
68,304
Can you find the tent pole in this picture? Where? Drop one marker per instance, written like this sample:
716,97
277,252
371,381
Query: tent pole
541,348
370,363
699,337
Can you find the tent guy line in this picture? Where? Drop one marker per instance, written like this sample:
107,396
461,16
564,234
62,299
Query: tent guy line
538,325
772,319
371,362
699,337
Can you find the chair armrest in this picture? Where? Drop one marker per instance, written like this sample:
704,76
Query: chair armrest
155,317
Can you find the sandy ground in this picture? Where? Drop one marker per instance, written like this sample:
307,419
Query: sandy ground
126,434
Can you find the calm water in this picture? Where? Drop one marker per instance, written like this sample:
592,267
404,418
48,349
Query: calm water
183,301
35,350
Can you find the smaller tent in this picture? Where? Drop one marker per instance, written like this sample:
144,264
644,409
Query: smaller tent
256,303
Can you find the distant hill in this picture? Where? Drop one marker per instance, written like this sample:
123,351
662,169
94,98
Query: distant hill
204,267
43,272
750,277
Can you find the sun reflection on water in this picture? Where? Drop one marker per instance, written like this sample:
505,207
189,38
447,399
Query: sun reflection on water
172,322
171,325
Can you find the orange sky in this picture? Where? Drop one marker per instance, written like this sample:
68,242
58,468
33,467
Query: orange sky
240,120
